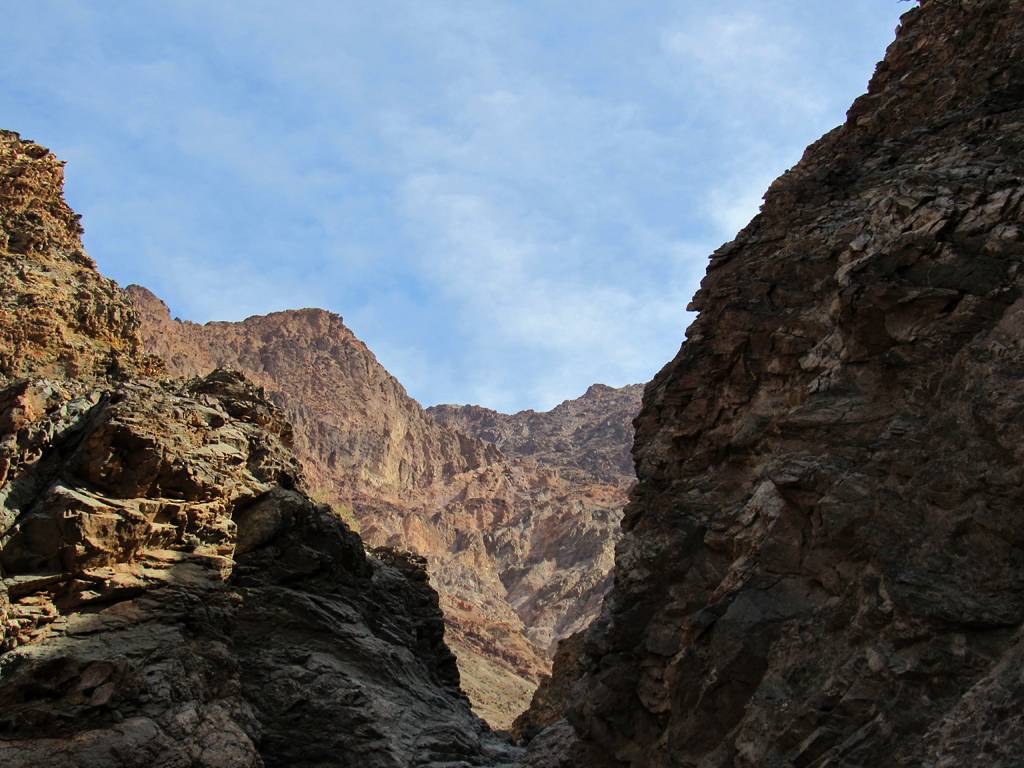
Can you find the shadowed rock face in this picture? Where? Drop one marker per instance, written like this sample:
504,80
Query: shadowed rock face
823,562
169,595
516,515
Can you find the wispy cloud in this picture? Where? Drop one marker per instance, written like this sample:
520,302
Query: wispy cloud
507,201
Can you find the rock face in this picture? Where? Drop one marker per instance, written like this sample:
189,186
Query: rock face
169,595
64,318
823,562
589,437
516,515
580,449
356,428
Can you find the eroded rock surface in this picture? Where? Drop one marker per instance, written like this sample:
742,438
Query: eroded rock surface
590,436
516,515
169,594
58,315
823,562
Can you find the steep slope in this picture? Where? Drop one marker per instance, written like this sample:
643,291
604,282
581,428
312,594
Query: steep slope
591,434
356,428
58,315
519,546
823,562
168,594
555,560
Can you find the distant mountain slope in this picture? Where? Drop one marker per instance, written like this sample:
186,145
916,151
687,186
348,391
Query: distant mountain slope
592,434
519,546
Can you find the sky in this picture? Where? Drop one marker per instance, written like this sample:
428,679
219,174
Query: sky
507,201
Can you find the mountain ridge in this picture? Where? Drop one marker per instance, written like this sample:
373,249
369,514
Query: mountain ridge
518,543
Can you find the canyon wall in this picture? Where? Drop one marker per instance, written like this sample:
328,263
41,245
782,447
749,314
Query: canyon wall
169,594
823,560
517,515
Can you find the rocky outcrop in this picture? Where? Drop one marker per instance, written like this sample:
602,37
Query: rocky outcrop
356,429
580,450
58,315
373,454
516,515
551,699
589,437
823,562
169,595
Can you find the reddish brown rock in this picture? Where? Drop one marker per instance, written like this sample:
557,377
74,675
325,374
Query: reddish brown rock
169,595
517,522
590,436
58,315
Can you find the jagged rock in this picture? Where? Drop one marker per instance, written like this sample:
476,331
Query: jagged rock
823,560
357,430
570,475
590,435
169,595
516,515
176,602
552,697
64,318
553,747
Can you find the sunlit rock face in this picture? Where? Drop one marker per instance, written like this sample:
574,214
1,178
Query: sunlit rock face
516,515
571,472
169,593
58,315
823,562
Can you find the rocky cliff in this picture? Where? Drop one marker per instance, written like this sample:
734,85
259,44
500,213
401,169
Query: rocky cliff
589,437
581,449
356,429
58,315
169,595
823,562
516,515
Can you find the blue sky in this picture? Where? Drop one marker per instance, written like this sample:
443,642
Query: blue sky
508,201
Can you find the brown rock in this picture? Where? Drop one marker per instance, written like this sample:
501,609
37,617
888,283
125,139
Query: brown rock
822,564
516,515
168,593
590,435
58,315
552,697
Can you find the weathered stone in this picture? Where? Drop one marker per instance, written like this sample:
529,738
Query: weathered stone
516,515
822,563
169,594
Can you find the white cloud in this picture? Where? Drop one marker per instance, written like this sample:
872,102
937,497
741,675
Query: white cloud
509,296
732,204
744,56
506,203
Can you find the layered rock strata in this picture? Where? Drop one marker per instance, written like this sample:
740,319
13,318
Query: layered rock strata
169,595
823,562
517,522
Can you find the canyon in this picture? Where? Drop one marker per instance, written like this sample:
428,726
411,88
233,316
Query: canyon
169,593
820,564
516,515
